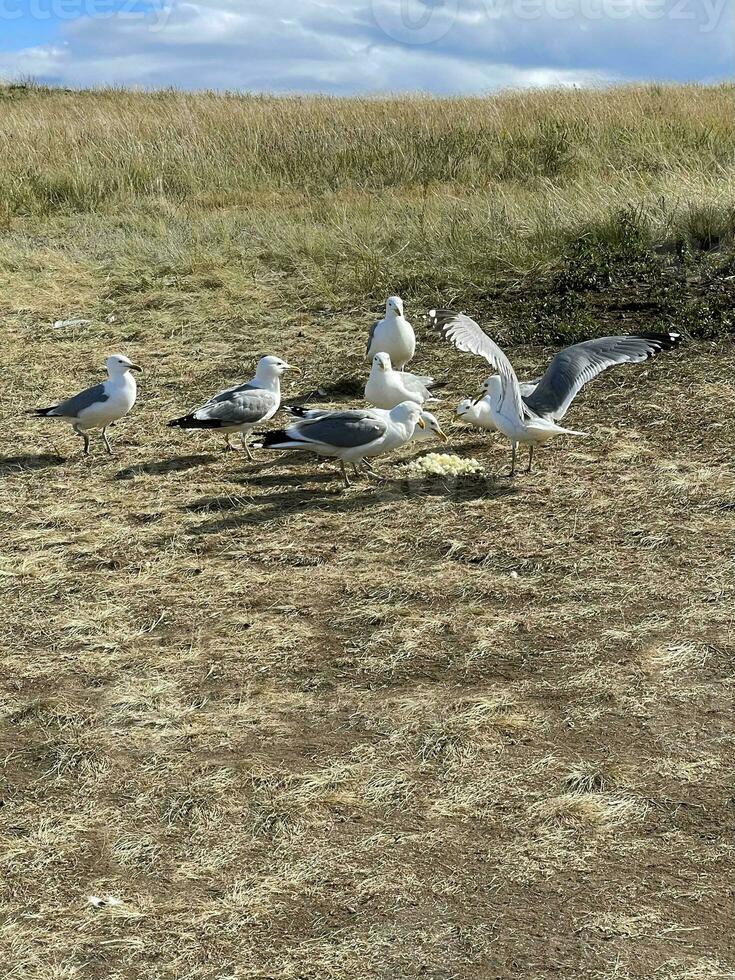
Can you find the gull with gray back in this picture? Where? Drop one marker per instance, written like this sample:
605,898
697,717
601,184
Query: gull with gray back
100,406
430,430
530,416
351,436
242,407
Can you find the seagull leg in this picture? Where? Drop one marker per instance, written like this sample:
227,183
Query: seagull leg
513,460
530,458
106,441
344,473
373,475
84,436
228,445
244,439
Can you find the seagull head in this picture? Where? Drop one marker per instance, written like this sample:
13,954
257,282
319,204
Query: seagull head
119,364
467,410
408,414
382,362
394,306
432,426
273,367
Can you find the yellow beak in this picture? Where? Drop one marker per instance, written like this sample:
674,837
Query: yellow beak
292,367
442,435
421,424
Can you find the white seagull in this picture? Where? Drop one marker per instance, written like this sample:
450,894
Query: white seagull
486,413
430,429
386,388
242,407
99,406
393,335
350,436
529,414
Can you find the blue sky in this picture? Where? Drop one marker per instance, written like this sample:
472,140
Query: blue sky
365,46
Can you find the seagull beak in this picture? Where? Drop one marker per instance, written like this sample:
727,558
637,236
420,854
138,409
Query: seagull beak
442,435
292,367
421,424
135,367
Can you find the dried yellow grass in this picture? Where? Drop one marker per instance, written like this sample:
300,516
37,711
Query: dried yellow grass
301,732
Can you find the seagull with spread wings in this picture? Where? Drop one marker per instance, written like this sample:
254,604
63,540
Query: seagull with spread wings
529,412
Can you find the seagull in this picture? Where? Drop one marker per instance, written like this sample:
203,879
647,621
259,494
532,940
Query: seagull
386,388
392,335
99,406
241,408
530,416
485,413
551,395
429,430
350,436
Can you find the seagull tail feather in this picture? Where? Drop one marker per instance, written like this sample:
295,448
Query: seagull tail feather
190,422
272,439
43,412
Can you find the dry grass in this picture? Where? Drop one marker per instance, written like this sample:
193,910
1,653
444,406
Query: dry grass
210,205
309,733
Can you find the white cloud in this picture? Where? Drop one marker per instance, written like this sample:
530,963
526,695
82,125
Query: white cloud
443,46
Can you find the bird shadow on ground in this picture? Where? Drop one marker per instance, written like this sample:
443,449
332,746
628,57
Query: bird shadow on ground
344,387
458,490
30,461
285,479
176,465
339,500
280,505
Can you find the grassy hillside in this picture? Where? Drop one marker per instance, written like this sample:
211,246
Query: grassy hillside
403,730
557,210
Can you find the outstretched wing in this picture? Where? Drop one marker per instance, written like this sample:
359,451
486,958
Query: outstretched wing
571,369
466,335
